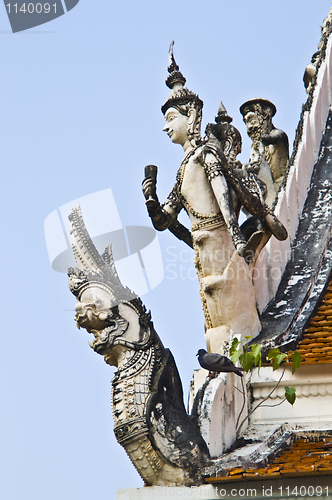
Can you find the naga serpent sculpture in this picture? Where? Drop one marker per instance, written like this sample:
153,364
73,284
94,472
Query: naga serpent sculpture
150,420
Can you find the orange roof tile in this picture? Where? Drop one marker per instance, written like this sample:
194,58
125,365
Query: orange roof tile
304,458
316,346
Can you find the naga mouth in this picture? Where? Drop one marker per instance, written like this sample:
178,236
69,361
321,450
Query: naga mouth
104,325
104,339
90,319
101,342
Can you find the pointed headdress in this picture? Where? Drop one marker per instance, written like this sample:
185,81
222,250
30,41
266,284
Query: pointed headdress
224,131
179,95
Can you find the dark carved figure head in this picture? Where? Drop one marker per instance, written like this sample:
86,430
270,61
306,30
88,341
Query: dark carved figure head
228,136
257,115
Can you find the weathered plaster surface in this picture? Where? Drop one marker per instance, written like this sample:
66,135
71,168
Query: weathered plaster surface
218,406
310,262
298,180
313,406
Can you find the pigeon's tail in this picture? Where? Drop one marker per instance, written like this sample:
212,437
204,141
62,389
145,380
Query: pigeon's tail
238,373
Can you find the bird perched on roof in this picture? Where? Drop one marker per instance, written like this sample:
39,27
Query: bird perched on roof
216,363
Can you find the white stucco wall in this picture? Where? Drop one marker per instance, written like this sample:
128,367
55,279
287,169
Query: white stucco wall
291,199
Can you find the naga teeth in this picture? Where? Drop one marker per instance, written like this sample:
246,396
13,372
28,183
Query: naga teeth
103,316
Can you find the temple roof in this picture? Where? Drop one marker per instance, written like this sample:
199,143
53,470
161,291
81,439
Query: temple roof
308,271
309,454
316,345
299,316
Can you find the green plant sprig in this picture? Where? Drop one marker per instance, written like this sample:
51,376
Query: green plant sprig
249,356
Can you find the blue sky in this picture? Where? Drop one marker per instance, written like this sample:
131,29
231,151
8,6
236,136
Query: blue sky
80,112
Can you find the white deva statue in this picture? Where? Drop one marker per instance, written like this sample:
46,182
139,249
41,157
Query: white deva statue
211,190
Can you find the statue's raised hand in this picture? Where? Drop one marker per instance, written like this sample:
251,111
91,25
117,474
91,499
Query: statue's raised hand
149,184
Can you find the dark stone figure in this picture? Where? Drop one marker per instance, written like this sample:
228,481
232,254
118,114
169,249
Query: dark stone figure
270,149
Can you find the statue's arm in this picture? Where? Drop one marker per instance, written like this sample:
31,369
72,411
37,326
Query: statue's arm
276,137
216,169
165,216
162,216
218,172
222,194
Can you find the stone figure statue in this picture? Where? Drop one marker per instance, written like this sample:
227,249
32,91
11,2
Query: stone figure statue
183,114
245,188
150,420
311,69
270,149
212,190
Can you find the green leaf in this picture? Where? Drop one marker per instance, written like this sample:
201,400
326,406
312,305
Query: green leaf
233,347
248,361
296,361
273,353
277,360
290,394
256,350
235,356
248,337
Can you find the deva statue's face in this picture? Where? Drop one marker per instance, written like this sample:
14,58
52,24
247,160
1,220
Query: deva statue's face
176,126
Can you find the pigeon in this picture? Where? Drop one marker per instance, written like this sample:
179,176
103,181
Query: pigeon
216,363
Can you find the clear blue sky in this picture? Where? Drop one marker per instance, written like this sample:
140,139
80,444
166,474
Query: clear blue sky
80,112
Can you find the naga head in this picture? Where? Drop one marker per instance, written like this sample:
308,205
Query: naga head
150,419
111,312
